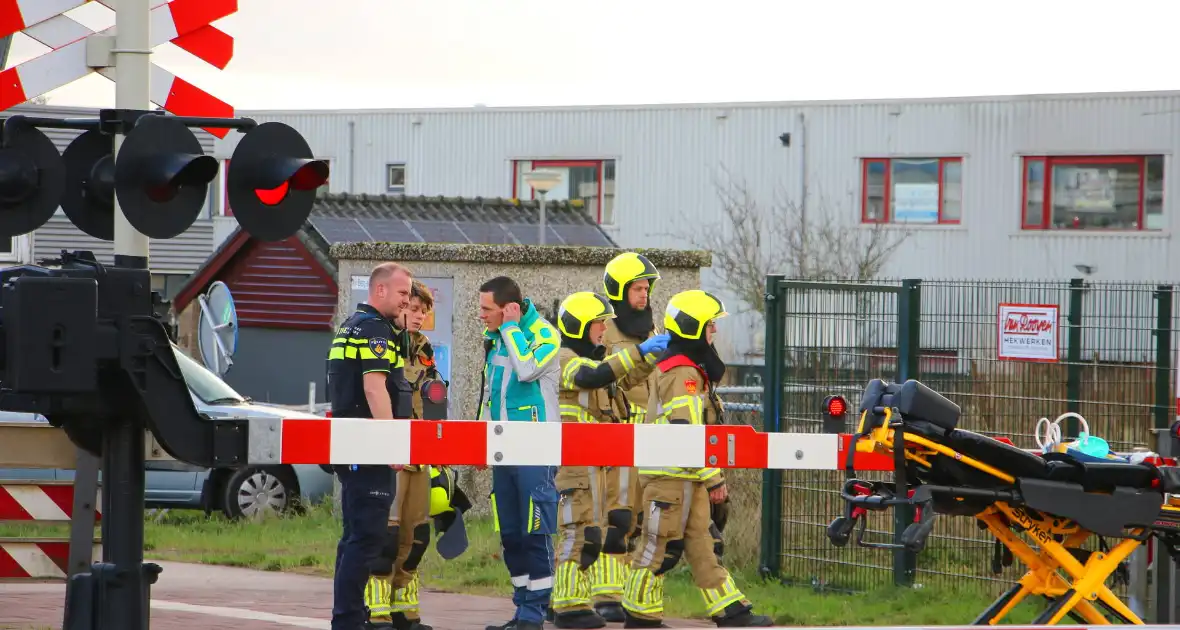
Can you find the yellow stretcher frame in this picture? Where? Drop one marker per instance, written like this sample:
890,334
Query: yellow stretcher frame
1073,594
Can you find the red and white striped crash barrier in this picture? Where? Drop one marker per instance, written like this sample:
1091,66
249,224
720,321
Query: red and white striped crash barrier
170,21
40,501
29,558
467,442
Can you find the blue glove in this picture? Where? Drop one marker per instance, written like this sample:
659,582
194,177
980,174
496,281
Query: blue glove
654,344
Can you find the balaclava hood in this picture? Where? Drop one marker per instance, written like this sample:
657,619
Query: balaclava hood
633,323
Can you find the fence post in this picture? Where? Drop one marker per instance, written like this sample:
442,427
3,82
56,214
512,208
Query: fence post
909,344
1164,403
1073,355
772,395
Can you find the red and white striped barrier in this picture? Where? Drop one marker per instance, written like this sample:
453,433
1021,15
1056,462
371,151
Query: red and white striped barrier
182,22
39,501
32,559
467,442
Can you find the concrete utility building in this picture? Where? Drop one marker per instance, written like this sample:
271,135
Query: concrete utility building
1029,187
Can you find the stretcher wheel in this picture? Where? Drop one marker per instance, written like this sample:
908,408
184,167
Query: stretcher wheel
840,530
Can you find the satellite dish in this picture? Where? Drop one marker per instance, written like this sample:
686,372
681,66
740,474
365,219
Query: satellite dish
217,333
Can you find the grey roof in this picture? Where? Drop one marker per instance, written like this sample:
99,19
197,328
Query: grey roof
345,218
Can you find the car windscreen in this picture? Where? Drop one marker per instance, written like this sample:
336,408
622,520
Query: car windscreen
205,384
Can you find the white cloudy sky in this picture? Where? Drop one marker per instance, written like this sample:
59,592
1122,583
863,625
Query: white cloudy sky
298,54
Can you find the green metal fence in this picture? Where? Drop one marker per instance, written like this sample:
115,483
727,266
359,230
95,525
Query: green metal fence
1114,369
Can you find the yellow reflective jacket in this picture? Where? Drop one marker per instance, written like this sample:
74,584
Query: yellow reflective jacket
681,396
639,390
590,389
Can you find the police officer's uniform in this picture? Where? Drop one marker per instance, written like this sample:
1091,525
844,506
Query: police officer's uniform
394,599
626,330
366,342
590,392
676,499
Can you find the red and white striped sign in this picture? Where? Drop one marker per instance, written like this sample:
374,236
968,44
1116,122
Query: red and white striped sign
40,501
465,442
182,22
31,559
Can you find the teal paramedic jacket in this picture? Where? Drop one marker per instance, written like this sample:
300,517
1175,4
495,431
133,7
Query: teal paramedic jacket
522,370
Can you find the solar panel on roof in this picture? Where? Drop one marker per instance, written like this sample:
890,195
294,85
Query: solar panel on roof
439,232
390,231
485,233
586,235
335,230
525,233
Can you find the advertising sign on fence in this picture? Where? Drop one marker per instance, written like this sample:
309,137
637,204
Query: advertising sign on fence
1028,332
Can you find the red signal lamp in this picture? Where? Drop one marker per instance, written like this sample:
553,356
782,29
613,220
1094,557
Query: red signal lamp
435,392
835,406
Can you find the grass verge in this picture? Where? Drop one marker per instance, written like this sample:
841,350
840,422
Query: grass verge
307,544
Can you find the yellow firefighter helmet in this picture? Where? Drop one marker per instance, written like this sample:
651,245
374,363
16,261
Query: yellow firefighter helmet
579,309
689,311
625,269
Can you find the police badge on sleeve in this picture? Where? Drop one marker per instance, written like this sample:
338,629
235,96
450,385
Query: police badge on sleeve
378,346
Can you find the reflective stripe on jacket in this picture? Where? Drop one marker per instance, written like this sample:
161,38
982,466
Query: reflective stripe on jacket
522,371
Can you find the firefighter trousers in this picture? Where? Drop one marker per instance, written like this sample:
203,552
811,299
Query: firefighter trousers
675,524
579,535
409,532
609,573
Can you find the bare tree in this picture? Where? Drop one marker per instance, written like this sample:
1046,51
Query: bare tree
750,241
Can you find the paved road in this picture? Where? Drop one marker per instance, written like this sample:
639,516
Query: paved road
225,598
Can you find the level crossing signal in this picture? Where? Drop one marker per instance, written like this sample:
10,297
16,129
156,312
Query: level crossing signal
160,177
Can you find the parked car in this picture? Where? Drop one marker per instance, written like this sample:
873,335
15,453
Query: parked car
237,492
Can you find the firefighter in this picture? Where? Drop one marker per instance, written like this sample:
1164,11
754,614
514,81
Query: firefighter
676,500
365,380
590,383
628,281
395,602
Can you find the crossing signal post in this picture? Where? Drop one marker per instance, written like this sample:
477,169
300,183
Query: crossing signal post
83,344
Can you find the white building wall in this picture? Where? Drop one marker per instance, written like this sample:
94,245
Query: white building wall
668,159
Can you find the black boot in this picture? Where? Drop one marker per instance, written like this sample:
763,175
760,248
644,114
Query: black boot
528,625
611,612
631,621
511,625
400,622
550,615
739,615
579,620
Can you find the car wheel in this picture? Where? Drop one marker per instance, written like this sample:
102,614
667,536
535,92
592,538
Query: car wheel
257,491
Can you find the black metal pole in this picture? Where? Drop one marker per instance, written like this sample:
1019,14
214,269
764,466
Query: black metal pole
123,599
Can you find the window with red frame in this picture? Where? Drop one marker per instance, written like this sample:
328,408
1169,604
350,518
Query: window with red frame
227,211
1111,192
912,190
591,181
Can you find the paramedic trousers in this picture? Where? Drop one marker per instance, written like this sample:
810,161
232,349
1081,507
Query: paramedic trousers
524,500
580,517
620,494
410,513
366,494
676,524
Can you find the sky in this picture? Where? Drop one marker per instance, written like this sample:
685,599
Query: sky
362,54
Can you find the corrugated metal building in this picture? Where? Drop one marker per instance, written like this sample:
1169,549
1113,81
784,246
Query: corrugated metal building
969,175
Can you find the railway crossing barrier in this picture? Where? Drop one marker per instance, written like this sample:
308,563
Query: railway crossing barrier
77,502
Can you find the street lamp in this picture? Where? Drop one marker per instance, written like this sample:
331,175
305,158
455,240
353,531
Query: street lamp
542,182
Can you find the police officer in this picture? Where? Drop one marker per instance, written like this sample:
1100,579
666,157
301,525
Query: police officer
590,384
365,380
395,601
628,281
676,500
